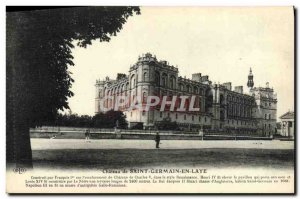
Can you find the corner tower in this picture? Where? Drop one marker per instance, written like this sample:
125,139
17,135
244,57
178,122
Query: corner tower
250,82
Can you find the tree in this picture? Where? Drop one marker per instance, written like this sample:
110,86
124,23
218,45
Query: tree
72,120
167,124
110,120
38,47
99,120
121,76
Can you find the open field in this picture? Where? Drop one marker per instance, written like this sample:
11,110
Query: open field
78,154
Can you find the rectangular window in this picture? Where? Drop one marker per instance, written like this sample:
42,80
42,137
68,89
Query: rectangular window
160,114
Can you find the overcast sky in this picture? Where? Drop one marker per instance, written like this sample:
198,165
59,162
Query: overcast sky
220,42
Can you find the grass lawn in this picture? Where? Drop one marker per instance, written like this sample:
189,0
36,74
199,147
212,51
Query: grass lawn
138,158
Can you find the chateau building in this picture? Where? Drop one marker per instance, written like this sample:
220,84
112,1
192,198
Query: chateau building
221,107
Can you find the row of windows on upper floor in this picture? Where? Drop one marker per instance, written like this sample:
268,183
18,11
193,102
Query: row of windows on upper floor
166,81
268,104
239,111
176,116
240,122
237,99
230,99
199,119
268,116
163,81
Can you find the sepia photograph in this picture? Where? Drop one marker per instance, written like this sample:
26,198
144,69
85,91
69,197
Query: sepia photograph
147,100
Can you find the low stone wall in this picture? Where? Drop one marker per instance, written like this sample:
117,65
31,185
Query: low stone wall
111,135
137,135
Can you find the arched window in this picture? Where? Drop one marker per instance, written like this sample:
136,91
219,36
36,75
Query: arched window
208,99
188,88
121,89
228,98
201,91
144,97
132,82
108,100
172,82
187,103
157,78
199,102
222,99
164,79
181,87
195,90
145,76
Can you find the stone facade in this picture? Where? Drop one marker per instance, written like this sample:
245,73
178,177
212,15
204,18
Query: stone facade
221,107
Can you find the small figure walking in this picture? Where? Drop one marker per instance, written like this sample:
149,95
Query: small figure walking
157,139
87,135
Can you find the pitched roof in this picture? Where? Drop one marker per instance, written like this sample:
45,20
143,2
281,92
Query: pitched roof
288,115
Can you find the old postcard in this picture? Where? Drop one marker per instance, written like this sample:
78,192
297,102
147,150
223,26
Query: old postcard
189,100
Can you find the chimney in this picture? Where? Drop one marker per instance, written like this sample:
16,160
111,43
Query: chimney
196,77
227,85
238,89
